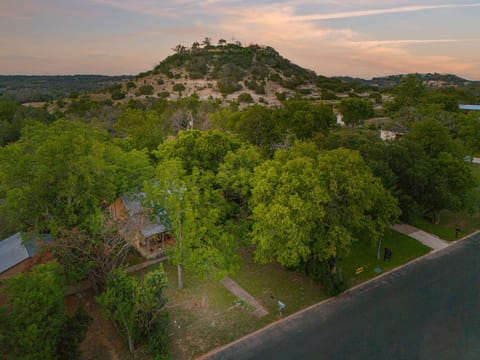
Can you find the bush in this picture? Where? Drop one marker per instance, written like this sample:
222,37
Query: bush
157,342
117,94
74,331
145,90
160,82
131,85
178,87
227,86
328,95
245,98
163,95
281,96
332,283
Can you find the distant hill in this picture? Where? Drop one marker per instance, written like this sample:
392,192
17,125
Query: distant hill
227,71
435,80
33,88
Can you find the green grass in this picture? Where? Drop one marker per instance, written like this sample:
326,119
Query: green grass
442,230
467,222
271,283
205,315
403,247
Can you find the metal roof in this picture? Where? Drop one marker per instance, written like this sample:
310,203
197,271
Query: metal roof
153,229
132,203
18,247
469,107
12,252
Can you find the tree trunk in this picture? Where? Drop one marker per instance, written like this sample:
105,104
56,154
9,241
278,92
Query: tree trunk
180,276
131,348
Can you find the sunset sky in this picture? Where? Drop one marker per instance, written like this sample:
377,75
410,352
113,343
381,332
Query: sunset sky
361,38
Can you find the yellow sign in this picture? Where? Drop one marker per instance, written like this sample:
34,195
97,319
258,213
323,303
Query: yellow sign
359,270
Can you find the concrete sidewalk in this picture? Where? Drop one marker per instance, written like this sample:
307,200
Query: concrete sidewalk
427,239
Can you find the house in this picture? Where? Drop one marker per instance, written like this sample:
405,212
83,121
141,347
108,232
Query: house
16,253
146,233
391,134
469,107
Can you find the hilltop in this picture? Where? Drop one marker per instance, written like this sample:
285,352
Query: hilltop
226,71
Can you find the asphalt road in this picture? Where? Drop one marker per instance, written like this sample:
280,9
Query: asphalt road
427,310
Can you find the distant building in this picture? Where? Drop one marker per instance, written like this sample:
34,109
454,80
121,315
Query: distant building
469,107
340,119
391,134
149,236
16,253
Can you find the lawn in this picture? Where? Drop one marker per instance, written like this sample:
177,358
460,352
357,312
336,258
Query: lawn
467,222
444,230
403,248
205,315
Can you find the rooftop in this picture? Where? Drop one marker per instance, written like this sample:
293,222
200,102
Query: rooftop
469,107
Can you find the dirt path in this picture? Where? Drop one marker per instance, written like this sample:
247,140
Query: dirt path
239,292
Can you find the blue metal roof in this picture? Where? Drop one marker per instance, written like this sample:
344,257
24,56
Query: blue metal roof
18,247
469,107
12,252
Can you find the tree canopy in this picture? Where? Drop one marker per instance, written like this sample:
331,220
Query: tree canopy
59,175
312,206
194,213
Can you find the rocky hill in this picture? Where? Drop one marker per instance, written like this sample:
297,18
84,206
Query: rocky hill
230,72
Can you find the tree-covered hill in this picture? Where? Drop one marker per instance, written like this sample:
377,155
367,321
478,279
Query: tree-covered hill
34,88
434,80
229,71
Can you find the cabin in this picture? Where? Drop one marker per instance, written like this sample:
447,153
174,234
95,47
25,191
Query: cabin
146,233
17,253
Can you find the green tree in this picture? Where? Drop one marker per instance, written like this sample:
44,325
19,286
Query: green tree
245,98
133,305
58,176
309,207
35,321
355,111
178,87
202,149
235,174
438,177
194,213
257,126
410,91
468,130
304,119
145,129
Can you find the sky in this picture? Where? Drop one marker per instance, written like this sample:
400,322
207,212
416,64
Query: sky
360,38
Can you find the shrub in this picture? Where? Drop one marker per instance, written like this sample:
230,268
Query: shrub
160,82
117,94
144,90
245,98
227,86
163,94
281,96
179,87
